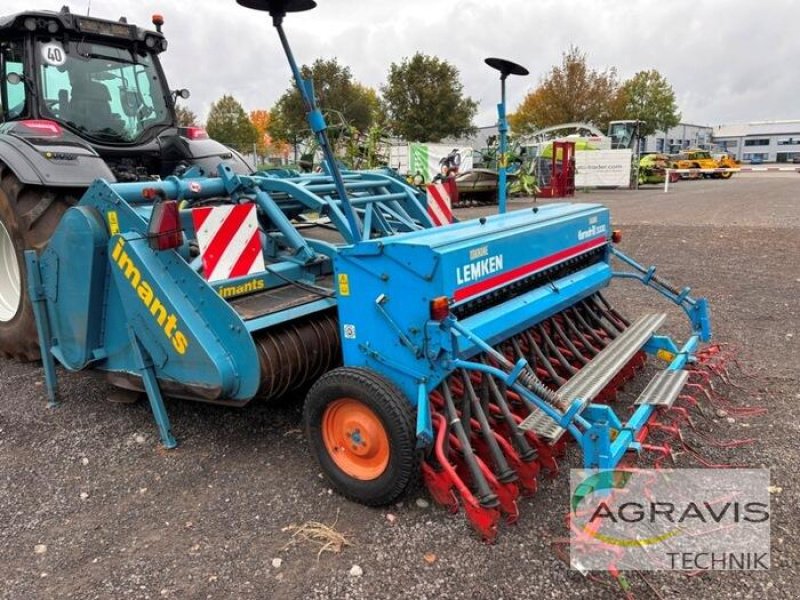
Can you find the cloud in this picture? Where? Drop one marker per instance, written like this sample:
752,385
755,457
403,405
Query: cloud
727,61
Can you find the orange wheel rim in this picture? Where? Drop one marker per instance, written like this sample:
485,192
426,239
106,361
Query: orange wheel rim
355,439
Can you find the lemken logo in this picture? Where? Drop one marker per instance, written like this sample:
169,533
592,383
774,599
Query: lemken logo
593,231
166,320
480,266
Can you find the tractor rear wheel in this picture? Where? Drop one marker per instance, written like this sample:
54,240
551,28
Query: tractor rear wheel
28,217
361,430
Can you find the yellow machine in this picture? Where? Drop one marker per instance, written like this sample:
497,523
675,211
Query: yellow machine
702,159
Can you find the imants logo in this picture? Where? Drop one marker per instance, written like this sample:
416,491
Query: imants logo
231,291
480,266
167,321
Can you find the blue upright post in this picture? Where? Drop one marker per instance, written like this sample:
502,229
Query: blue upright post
502,127
506,68
315,118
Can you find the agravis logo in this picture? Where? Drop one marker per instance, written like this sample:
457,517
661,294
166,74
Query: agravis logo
690,519
604,483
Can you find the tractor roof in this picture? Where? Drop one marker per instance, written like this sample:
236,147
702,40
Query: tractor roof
52,22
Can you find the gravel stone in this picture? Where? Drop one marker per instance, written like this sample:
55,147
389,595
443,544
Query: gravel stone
356,571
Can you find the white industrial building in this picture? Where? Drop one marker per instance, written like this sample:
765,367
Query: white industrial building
764,141
680,137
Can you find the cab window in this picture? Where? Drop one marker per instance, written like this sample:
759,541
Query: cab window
105,92
12,95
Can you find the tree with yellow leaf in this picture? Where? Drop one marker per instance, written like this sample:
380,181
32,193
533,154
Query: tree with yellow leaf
571,92
260,120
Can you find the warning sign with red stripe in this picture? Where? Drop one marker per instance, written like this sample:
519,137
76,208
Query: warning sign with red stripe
229,240
440,204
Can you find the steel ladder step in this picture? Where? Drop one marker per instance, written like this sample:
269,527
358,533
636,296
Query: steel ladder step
663,389
593,377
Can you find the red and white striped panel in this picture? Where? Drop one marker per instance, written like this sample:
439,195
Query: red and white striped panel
229,240
439,204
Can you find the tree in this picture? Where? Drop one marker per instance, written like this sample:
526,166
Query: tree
228,123
424,100
260,120
343,100
571,92
186,118
647,96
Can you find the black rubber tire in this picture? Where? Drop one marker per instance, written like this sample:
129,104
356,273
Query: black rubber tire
397,417
30,214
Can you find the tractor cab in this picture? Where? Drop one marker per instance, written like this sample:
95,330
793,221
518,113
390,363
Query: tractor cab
98,83
624,134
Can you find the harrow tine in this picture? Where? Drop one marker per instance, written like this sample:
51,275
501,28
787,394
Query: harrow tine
611,331
611,310
588,328
554,350
593,350
602,313
572,348
545,362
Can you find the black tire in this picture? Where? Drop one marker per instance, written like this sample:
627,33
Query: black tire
395,414
29,214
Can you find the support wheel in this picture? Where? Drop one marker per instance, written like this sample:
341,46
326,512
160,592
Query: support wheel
28,216
361,430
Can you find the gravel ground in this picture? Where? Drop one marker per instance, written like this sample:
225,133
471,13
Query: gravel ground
90,507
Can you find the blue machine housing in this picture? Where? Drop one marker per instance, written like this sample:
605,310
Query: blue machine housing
386,286
105,286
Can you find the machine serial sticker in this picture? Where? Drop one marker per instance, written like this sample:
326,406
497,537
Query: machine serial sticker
113,222
344,284
349,331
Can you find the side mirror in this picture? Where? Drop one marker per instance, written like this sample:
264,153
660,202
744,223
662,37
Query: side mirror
182,93
14,78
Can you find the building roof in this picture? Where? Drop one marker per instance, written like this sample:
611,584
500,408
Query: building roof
757,128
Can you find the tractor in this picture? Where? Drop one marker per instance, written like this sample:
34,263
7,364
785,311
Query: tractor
465,354
80,99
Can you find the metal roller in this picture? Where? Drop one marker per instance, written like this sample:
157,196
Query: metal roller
297,353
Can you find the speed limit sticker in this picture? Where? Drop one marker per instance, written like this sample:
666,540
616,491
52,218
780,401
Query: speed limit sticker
53,54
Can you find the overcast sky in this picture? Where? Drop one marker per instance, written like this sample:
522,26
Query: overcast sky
728,61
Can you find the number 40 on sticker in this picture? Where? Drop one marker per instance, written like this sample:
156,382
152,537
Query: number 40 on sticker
53,54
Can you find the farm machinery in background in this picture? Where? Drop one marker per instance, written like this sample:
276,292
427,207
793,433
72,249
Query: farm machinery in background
653,169
696,158
469,352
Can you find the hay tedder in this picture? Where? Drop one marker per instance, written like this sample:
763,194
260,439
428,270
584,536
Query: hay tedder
471,351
